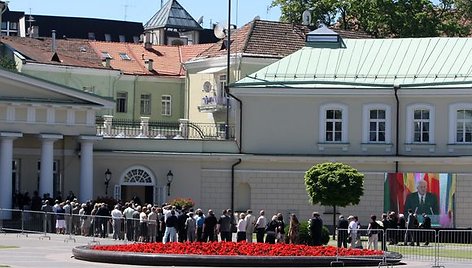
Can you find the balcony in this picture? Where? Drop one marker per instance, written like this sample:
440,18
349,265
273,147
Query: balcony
212,104
108,127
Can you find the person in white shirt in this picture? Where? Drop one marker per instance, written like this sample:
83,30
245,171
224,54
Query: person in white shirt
352,231
116,217
241,228
261,225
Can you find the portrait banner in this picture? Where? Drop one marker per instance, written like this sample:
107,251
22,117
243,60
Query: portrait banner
432,194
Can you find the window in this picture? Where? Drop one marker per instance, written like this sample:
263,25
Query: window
57,184
91,36
464,126
146,104
121,102
124,56
166,104
460,123
106,55
108,37
122,38
376,123
135,39
420,124
222,81
333,123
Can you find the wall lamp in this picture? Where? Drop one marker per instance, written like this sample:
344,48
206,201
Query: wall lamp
170,177
107,180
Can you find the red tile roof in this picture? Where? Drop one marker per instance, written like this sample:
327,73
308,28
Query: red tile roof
74,52
167,60
269,39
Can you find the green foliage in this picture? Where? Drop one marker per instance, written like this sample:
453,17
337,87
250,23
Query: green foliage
304,234
7,63
183,202
334,184
386,18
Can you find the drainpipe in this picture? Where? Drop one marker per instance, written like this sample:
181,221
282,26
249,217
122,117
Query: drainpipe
240,146
232,183
228,64
134,97
397,127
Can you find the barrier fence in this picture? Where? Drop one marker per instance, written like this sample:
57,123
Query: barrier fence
426,245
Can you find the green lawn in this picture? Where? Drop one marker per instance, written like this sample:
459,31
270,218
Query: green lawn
6,247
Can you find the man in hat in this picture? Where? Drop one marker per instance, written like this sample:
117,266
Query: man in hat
343,224
316,225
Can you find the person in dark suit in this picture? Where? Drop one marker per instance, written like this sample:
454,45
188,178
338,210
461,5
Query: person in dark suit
422,201
343,224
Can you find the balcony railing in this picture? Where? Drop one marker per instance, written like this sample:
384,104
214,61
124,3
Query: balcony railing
108,127
210,104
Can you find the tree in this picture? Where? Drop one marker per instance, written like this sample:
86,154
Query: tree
386,18
334,184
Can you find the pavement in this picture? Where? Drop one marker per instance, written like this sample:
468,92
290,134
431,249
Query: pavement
35,250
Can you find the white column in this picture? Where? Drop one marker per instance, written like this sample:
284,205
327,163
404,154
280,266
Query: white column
86,167
6,158
46,179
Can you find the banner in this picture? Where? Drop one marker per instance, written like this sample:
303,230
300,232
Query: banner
429,193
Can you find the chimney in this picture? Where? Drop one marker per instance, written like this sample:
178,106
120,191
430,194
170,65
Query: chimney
53,41
106,62
147,41
149,65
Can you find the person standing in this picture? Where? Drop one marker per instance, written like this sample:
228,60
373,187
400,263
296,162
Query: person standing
281,228
272,227
152,225
250,224
261,224
209,227
200,221
241,228
411,224
116,218
190,226
171,232
181,230
128,215
373,233
294,230
224,227
352,231
316,225
343,225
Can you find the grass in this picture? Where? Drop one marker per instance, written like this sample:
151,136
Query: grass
6,247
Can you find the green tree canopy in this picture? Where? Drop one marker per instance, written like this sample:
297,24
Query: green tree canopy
385,18
334,184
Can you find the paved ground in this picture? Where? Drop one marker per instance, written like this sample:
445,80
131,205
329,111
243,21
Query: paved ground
32,251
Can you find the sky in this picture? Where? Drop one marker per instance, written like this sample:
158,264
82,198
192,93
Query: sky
213,11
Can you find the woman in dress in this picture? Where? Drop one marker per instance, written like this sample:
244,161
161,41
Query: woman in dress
294,230
241,228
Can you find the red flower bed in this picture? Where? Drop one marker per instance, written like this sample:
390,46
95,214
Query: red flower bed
241,249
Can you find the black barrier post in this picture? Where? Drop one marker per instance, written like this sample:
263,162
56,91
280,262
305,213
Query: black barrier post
22,225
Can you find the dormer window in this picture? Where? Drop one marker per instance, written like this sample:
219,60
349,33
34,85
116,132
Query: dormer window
324,37
122,38
108,37
124,56
106,55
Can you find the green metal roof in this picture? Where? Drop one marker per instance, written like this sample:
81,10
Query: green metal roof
409,62
172,15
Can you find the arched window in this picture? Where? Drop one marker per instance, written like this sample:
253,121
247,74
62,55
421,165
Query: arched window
138,175
243,197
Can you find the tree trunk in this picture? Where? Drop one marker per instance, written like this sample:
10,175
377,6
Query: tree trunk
334,222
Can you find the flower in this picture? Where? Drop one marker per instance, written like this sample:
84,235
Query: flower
240,248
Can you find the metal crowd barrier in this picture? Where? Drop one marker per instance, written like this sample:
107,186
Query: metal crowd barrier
360,239
453,246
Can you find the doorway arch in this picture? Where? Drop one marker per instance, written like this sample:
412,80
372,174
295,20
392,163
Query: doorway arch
138,183
243,197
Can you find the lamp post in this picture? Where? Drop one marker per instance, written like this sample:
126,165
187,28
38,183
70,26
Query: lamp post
107,180
170,177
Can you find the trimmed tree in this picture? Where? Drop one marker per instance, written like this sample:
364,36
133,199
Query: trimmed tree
334,184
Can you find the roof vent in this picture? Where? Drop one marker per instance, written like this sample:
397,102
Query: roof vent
149,65
324,37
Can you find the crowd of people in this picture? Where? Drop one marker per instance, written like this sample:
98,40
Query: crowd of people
392,229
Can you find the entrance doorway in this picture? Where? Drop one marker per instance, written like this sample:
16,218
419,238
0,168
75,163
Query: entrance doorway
145,194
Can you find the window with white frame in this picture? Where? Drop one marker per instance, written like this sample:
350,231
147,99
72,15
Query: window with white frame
166,105
376,123
333,123
121,102
460,123
145,104
420,123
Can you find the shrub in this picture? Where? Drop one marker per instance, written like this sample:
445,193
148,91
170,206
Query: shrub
305,237
183,203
